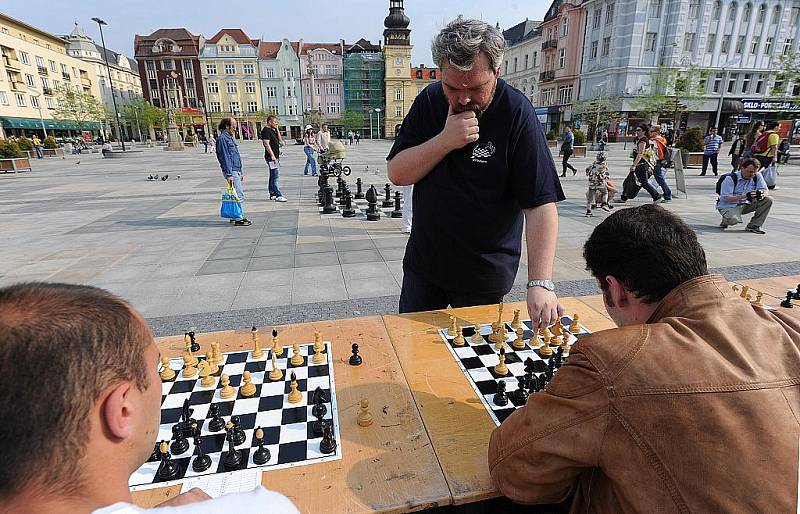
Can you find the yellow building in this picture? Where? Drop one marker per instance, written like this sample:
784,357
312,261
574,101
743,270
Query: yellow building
400,89
229,65
35,65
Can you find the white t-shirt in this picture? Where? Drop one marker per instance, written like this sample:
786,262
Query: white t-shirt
257,501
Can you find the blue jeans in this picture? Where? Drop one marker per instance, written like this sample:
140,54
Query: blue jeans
310,159
658,173
273,178
39,152
237,186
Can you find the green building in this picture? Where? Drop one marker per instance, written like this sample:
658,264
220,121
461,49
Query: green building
364,90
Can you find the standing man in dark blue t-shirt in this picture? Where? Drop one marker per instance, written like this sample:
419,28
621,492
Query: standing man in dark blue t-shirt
477,156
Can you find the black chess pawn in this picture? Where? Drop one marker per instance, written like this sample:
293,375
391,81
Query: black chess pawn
787,303
262,455
551,368
156,455
233,458
345,192
559,357
195,344
348,211
359,192
322,181
328,208
398,209
387,201
238,433
217,423
179,444
500,398
373,213
167,470
355,359
339,188
521,394
328,443
201,461
796,294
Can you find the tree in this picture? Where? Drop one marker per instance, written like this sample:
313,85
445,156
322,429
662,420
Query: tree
600,110
352,120
671,91
789,64
141,114
79,107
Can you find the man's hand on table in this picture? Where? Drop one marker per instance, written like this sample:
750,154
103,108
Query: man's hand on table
543,307
193,495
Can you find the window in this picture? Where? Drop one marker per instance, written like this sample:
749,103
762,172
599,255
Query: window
29,79
606,45
20,99
726,43
232,87
211,69
398,94
505,69
732,82
768,46
215,107
609,13
288,73
51,103
46,84
732,12
746,83
398,112
688,42
233,107
52,65
754,45
213,87
693,8
717,82
35,101
565,26
249,69
593,50
562,59
778,88
716,10
168,64
515,64
188,70
598,15
650,42
795,15
535,59
526,61
290,91
739,44
230,69
748,12
23,56
762,13
272,92
270,73
759,84
252,106
565,94
39,62
712,40
787,46
250,87
655,9
3,98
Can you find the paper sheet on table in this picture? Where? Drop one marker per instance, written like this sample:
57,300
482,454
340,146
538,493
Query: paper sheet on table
224,483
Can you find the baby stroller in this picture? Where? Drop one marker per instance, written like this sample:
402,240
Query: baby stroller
330,161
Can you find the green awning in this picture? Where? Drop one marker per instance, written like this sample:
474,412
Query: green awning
50,124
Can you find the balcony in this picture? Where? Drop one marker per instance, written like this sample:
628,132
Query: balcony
547,76
42,70
66,76
10,62
553,43
85,82
17,85
47,91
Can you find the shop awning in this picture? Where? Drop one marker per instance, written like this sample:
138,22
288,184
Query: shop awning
50,124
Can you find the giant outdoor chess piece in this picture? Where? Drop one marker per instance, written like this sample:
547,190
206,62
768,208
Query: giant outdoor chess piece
359,192
328,208
398,209
348,211
373,214
387,202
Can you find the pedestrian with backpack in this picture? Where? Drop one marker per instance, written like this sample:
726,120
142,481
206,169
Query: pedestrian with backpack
765,147
736,151
755,131
659,144
711,151
742,192
642,167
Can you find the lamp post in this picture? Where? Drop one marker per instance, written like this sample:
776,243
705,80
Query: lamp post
378,110
100,24
371,134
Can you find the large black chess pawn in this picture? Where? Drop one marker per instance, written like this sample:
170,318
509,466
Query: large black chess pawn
398,209
202,461
500,399
359,192
322,182
339,187
195,344
233,458
328,208
179,444
787,303
521,393
348,211
238,433
217,423
261,456
167,470
796,294
345,192
355,359
387,202
373,214
328,443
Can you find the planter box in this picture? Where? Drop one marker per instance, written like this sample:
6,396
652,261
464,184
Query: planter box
53,152
15,165
694,159
188,143
579,151
31,153
552,143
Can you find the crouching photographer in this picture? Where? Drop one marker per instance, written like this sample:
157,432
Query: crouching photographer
743,192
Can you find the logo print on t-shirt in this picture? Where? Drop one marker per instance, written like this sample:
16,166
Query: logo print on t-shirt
482,152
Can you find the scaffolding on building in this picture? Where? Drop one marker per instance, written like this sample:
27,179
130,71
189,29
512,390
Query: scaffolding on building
364,89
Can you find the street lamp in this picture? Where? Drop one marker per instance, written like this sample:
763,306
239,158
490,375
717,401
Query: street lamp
378,110
597,87
732,62
100,24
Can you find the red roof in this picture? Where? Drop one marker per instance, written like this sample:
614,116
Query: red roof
269,49
334,48
238,35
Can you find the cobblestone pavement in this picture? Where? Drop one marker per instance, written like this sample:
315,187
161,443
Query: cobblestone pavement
162,245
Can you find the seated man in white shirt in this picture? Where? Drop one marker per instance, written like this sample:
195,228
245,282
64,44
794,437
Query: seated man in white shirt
742,192
81,402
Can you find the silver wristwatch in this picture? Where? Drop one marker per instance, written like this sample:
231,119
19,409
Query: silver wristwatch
547,284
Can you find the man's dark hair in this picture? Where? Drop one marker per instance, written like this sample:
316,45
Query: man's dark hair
225,124
648,249
271,117
772,125
61,345
750,161
645,128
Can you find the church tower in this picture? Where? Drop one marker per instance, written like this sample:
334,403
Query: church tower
400,89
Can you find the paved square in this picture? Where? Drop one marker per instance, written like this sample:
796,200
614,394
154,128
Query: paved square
163,246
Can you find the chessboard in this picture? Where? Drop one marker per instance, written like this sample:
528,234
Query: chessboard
529,368
290,428
360,206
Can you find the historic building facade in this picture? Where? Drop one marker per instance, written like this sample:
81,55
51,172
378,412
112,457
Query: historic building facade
522,60
400,89
279,75
321,73
364,88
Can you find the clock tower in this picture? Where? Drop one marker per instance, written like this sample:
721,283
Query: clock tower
400,89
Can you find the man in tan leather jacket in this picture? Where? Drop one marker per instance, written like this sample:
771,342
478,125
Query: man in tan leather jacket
691,405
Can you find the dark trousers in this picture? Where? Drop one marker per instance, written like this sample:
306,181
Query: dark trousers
641,176
565,164
735,161
419,294
709,158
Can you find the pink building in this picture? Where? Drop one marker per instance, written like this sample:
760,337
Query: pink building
321,80
562,43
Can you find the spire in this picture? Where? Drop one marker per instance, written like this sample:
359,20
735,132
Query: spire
78,32
397,31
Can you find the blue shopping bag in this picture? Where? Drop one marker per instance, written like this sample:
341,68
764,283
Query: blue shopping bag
231,205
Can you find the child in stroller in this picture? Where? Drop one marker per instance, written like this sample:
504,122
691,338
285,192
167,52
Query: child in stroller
330,161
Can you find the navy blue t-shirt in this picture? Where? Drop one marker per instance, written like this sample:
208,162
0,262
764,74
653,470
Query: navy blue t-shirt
468,219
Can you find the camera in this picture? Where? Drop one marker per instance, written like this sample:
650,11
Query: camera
758,194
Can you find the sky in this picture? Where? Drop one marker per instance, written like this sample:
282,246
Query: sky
313,21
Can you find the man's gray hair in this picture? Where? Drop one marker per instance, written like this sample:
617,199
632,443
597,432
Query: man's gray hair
460,42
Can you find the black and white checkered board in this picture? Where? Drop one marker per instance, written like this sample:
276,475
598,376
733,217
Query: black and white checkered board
287,426
361,207
477,361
